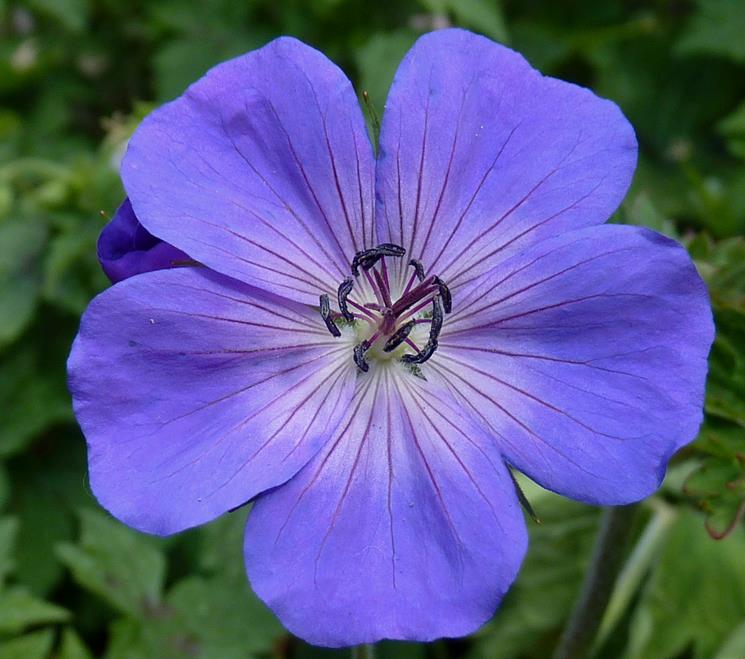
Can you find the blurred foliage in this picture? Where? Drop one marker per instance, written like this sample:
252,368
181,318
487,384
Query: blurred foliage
76,76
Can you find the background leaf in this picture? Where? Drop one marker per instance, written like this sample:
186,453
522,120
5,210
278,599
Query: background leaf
123,567
668,619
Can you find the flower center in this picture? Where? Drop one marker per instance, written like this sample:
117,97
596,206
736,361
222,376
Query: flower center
389,322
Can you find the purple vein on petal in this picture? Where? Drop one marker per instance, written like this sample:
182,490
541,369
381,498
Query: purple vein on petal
304,174
348,484
482,235
445,179
537,399
242,390
516,420
454,281
475,194
389,498
433,481
338,372
255,215
286,205
455,455
360,395
527,287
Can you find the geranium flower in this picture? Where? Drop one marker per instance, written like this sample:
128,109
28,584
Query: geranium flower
371,344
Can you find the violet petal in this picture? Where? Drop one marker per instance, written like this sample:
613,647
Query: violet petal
404,527
481,155
196,393
586,358
262,171
125,248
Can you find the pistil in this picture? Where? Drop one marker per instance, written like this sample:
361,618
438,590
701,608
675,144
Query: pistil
392,321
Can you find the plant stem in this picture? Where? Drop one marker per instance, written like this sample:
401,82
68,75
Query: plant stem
608,554
637,565
364,651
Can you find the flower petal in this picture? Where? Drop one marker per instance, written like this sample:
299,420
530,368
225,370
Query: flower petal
586,357
195,394
481,155
405,527
126,248
262,171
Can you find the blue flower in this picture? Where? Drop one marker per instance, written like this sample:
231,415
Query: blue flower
475,316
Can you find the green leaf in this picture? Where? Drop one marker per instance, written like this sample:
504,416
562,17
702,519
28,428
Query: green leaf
71,272
548,582
695,597
641,211
206,618
205,35
378,60
21,610
21,246
222,546
734,646
722,265
4,485
72,14
48,486
717,28
122,566
72,647
36,645
732,127
718,484
8,532
484,16
225,616
215,616
725,395
32,398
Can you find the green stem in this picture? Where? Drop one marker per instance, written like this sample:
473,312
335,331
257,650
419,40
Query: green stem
615,530
636,567
364,651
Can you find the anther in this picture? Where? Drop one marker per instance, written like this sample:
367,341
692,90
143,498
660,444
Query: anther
447,298
399,336
367,258
326,315
423,355
359,355
418,268
345,288
436,326
389,249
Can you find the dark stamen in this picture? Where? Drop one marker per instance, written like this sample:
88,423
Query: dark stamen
423,356
436,326
389,249
418,268
359,356
447,298
345,288
399,336
326,315
359,257
368,262
367,258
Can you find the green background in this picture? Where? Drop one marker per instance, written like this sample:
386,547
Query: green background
76,76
